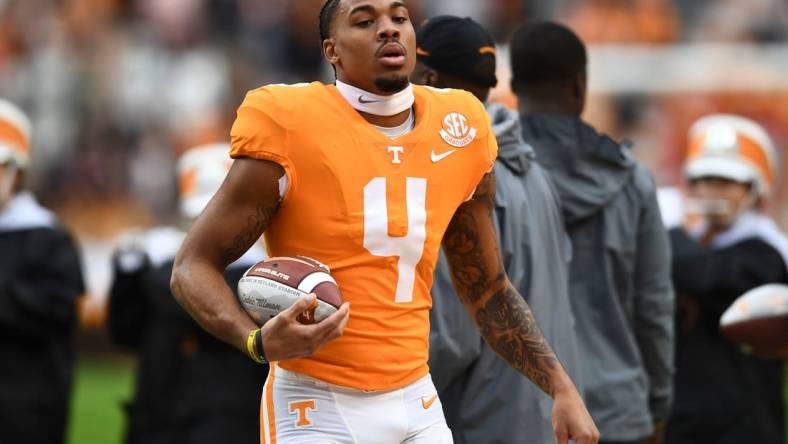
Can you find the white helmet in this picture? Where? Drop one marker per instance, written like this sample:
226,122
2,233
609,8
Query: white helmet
15,129
201,171
731,147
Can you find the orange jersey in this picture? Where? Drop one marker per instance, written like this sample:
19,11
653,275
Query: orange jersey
371,208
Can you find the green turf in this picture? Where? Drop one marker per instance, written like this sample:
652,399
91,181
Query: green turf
100,386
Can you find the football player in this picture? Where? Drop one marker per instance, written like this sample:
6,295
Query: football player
727,247
369,176
175,355
40,281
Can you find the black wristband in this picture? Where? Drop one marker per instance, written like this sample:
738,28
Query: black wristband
258,347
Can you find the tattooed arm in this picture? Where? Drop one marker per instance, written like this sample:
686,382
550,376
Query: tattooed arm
234,219
502,315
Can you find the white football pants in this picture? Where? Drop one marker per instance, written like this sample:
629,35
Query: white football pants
298,409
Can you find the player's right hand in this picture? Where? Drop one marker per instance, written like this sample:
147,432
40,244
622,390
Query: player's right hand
286,338
571,420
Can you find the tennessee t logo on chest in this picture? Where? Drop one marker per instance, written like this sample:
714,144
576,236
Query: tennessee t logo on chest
396,150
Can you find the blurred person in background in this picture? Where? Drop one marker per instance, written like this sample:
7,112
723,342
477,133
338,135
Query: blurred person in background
191,387
40,281
177,86
620,286
484,399
727,247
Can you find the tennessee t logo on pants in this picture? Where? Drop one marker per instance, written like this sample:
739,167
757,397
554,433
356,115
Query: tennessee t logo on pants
302,409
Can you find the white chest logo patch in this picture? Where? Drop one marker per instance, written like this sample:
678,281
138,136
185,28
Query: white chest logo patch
396,150
456,131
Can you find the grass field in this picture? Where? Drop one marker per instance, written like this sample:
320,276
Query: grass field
100,387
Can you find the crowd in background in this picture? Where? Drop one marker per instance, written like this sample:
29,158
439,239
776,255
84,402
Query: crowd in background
117,89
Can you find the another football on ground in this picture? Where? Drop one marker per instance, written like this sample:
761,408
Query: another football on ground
758,321
271,286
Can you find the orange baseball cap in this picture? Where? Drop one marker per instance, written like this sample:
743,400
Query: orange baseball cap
731,147
15,129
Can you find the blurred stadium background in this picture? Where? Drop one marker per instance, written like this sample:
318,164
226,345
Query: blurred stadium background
118,88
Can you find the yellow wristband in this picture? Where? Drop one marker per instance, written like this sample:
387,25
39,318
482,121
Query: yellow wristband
250,348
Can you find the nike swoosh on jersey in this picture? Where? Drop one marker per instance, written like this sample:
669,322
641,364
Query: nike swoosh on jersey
428,403
361,99
438,157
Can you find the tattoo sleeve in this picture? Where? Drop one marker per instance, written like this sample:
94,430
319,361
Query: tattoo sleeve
501,314
472,272
508,325
256,224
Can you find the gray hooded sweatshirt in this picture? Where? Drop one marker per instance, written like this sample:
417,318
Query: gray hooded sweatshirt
484,399
620,283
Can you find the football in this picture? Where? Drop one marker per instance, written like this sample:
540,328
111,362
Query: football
271,286
758,321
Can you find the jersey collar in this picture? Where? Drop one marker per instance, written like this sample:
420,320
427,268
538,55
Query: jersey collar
378,105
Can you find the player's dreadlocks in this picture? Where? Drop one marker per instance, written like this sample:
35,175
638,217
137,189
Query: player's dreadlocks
327,13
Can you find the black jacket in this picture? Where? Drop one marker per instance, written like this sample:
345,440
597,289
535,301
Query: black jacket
40,280
191,387
722,396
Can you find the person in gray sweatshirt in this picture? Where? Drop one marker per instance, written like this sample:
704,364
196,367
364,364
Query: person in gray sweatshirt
484,399
620,284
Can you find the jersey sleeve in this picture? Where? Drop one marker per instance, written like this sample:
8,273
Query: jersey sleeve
259,132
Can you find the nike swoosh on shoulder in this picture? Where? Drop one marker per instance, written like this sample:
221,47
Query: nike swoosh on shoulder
438,157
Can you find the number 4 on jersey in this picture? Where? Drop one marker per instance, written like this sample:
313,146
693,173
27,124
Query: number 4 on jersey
408,248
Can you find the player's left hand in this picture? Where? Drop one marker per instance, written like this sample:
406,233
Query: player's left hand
571,420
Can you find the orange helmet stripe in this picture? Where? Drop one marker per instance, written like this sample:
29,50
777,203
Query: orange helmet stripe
12,134
746,148
755,153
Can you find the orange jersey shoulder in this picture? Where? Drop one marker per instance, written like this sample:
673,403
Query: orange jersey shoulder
269,116
462,119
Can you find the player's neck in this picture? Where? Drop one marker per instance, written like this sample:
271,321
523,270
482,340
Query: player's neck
385,111
386,121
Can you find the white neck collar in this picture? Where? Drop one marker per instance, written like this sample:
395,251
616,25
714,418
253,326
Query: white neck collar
750,225
23,213
375,104
399,130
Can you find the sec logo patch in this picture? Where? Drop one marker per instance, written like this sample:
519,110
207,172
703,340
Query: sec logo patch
456,131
